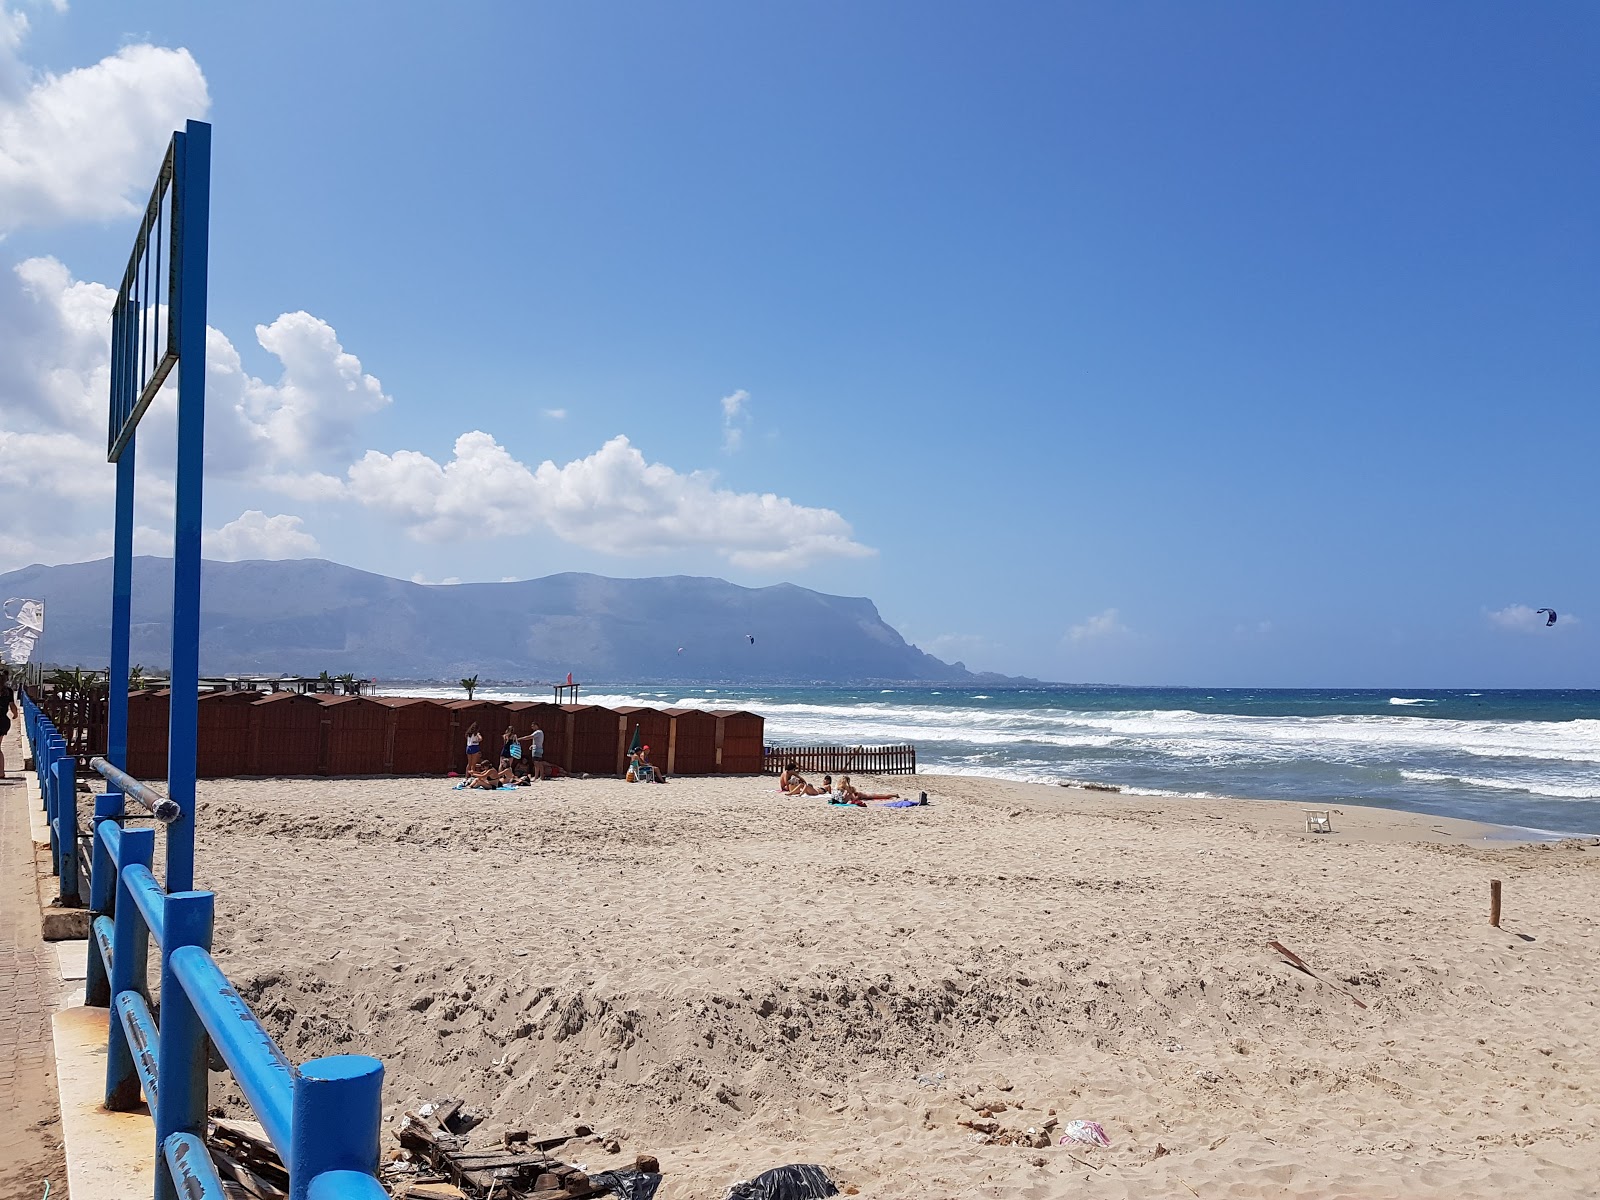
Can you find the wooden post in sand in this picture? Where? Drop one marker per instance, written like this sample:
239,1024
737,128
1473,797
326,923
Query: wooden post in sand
1494,903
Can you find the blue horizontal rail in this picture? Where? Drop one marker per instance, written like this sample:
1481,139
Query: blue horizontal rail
150,897
140,1028
192,1169
161,807
259,1067
345,1185
103,931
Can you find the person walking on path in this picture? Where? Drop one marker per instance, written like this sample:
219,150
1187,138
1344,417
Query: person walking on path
8,714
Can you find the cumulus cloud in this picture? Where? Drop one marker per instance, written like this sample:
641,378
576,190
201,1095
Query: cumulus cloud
55,378
1519,618
253,534
1098,628
86,144
613,501
735,419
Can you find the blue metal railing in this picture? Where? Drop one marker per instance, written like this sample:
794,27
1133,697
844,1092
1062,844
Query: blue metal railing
323,1116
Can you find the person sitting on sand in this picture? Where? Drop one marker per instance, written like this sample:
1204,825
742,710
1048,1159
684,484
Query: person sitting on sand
489,778
792,783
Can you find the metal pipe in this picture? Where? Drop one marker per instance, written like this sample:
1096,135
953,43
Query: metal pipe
104,937
164,810
149,898
140,1029
262,1072
194,1175
338,1115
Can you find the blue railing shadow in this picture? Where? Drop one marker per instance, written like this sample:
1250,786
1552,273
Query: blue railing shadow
323,1117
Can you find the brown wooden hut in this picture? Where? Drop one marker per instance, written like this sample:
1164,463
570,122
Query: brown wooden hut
355,735
223,736
655,731
740,737
491,718
420,736
691,742
285,734
148,716
589,739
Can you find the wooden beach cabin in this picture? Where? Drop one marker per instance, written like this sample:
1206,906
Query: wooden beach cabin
691,742
740,742
285,734
148,716
419,738
355,735
655,731
222,745
589,739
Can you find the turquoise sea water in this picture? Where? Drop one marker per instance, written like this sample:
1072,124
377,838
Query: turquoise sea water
1524,758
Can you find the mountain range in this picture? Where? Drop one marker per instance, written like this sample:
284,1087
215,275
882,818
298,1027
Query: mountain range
309,615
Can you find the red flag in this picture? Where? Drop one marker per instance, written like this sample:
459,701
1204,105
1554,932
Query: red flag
569,678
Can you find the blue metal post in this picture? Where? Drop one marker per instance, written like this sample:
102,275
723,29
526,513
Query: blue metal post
183,1053
338,1111
102,892
65,776
121,612
129,946
191,189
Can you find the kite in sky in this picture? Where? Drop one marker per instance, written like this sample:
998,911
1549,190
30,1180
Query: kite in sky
1552,613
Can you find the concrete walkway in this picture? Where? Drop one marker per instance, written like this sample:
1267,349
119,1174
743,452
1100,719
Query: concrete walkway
31,988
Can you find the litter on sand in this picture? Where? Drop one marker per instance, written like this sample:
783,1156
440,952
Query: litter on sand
801,1181
1090,1133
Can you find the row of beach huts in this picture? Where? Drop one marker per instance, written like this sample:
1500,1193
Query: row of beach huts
289,733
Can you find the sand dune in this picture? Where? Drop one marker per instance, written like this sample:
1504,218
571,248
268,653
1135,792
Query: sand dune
733,980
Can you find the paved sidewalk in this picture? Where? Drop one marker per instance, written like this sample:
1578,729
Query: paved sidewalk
30,986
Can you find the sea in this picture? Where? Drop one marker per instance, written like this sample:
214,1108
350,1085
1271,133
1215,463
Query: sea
1527,759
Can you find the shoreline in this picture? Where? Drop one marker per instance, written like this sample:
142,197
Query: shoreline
1461,829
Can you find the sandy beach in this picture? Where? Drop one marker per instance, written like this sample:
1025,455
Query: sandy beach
734,980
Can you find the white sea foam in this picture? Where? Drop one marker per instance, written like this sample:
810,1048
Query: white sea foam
1410,700
1542,787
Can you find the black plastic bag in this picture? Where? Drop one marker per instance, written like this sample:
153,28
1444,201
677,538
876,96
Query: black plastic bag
628,1184
802,1181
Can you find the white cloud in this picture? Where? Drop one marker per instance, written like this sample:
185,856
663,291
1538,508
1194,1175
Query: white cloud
613,501
735,419
1519,618
1098,627
253,534
54,378
556,414
447,581
86,144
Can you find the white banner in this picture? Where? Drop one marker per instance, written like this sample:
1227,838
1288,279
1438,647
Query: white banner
27,617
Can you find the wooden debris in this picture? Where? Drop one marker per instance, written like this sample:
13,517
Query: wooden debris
244,1157
1294,960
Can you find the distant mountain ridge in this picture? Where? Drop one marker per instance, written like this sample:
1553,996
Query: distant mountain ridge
303,616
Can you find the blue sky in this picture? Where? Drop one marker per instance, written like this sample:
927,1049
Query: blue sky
1244,344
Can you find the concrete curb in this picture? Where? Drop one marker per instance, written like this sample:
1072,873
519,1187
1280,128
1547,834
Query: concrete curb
110,1155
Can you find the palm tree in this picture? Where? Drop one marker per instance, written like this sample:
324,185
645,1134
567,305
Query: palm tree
347,684
471,684
324,682
135,677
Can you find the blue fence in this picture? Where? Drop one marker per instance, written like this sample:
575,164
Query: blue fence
323,1117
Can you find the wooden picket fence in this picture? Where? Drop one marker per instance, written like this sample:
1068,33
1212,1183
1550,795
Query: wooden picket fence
842,760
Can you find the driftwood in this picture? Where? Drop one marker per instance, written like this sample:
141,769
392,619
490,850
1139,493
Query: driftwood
1295,961
246,1160
517,1168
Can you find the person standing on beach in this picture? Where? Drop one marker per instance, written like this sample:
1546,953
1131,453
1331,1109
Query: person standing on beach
536,748
474,745
8,713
